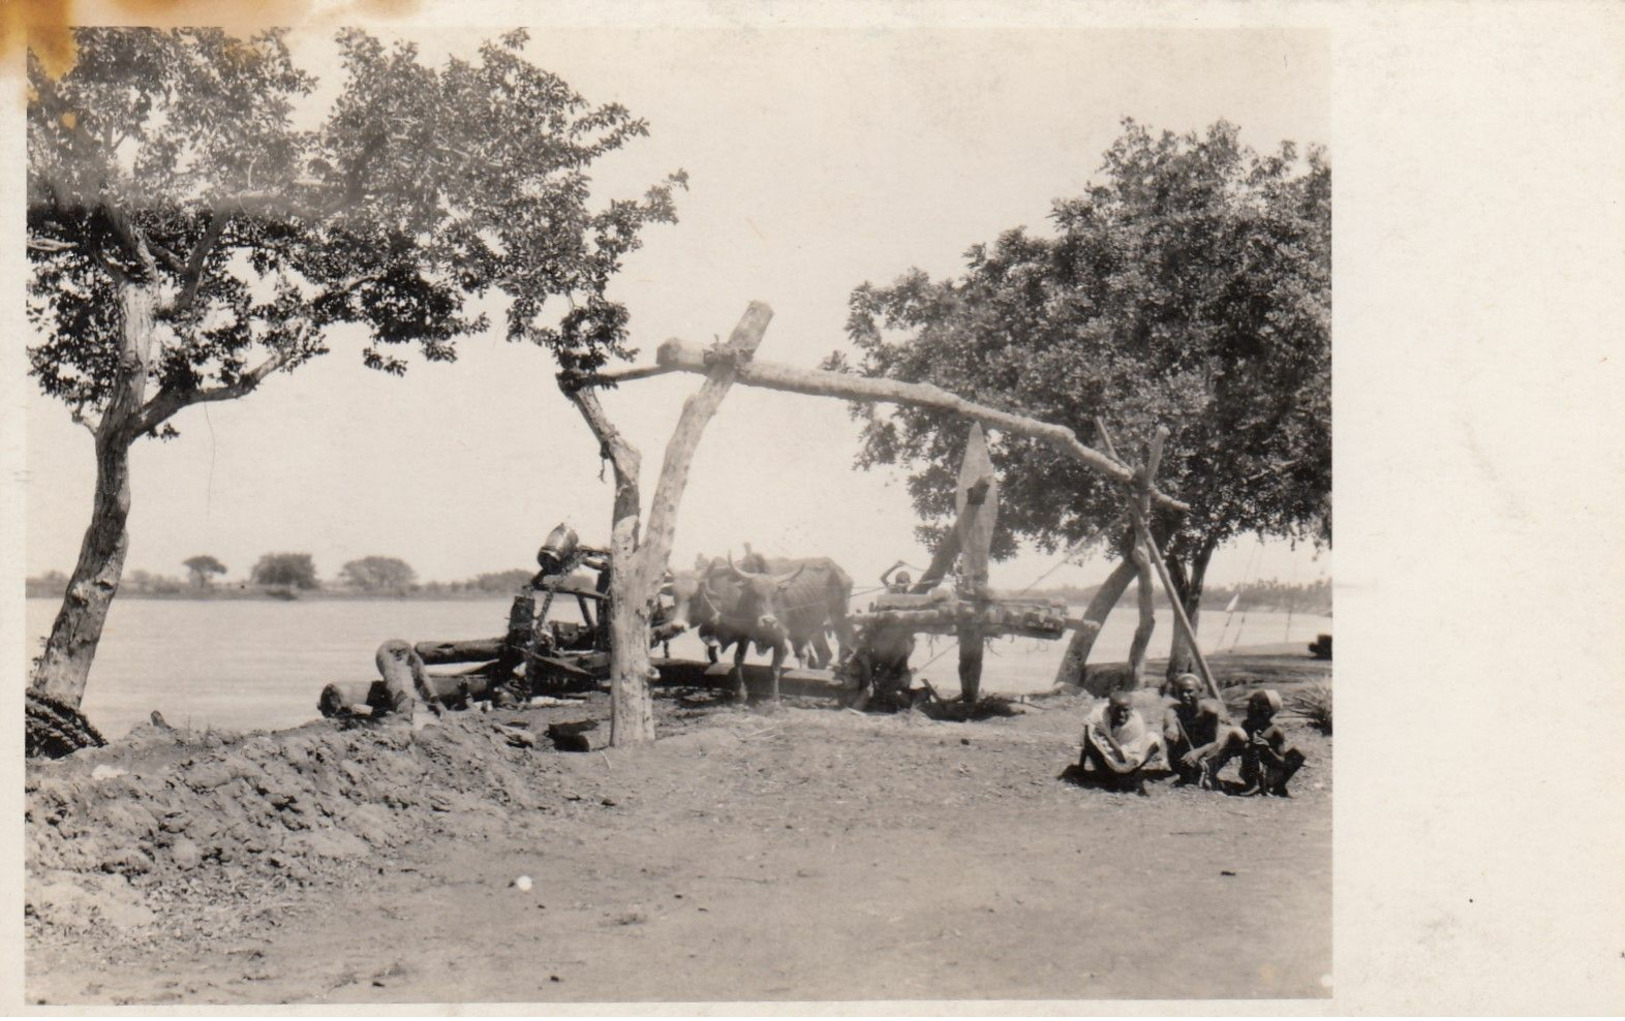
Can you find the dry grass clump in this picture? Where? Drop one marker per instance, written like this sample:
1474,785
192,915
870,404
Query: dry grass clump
1314,704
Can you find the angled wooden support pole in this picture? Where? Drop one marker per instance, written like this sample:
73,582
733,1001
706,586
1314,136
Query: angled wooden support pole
1139,506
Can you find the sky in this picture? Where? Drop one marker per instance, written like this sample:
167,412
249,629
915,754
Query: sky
818,159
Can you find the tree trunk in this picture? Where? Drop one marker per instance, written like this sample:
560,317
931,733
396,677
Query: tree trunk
631,704
1148,621
64,667
1071,671
1188,585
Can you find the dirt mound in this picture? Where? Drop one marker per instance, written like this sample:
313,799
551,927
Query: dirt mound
111,829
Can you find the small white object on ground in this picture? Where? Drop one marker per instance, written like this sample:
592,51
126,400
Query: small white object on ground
524,884
106,772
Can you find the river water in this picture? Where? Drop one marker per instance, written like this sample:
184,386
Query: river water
249,664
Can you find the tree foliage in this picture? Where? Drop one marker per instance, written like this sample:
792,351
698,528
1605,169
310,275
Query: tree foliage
289,570
202,567
501,581
1189,288
174,157
379,574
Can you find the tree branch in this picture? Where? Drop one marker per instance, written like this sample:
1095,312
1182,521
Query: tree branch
622,375
192,272
166,403
623,457
90,422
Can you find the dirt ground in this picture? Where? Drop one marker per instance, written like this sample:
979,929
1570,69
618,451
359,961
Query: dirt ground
807,853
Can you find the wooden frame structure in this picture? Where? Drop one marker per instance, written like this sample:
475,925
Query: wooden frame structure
637,565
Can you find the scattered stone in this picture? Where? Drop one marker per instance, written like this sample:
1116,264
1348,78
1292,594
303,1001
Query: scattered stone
578,736
185,854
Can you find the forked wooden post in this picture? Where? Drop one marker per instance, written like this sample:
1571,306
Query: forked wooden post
1142,528
636,566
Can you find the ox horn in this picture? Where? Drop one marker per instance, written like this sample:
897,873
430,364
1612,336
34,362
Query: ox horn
784,581
737,571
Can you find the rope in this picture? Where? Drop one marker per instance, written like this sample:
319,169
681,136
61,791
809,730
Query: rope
1246,579
1070,553
1291,602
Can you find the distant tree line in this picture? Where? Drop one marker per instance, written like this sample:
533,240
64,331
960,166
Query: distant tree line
288,573
1275,595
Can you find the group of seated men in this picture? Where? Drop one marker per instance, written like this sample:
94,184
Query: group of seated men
1195,743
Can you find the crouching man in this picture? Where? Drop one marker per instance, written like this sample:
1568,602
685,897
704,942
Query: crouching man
1199,734
1118,748
1269,758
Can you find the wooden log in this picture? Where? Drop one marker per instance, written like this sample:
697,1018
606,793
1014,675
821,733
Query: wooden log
574,584
405,682
478,650
1046,621
579,736
903,601
448,689
690,673
676,356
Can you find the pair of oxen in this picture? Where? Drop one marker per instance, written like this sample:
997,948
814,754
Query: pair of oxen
777,605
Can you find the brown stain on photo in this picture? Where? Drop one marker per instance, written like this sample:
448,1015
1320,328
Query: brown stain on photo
45,26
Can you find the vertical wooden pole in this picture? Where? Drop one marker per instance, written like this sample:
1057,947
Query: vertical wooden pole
977,500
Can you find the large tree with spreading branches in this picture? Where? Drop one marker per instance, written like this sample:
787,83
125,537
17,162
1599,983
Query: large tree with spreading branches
1189,287
189,238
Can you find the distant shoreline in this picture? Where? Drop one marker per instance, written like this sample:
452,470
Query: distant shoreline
466,595
300,596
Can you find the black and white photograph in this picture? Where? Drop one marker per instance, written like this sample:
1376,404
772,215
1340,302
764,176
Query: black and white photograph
754,509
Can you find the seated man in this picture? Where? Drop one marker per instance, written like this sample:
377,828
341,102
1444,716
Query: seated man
1268,759
1117,745
1199,734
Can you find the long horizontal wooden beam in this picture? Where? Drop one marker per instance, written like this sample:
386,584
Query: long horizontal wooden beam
678,356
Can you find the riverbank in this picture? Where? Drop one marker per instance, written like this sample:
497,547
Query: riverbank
808,853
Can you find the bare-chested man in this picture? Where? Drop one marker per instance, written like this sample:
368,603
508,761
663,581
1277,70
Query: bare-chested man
1269,758
1118,746
1199,734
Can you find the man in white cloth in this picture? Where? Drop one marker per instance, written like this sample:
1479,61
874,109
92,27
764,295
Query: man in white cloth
1118,748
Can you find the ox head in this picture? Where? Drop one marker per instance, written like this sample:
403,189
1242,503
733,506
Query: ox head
751,599
691,600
